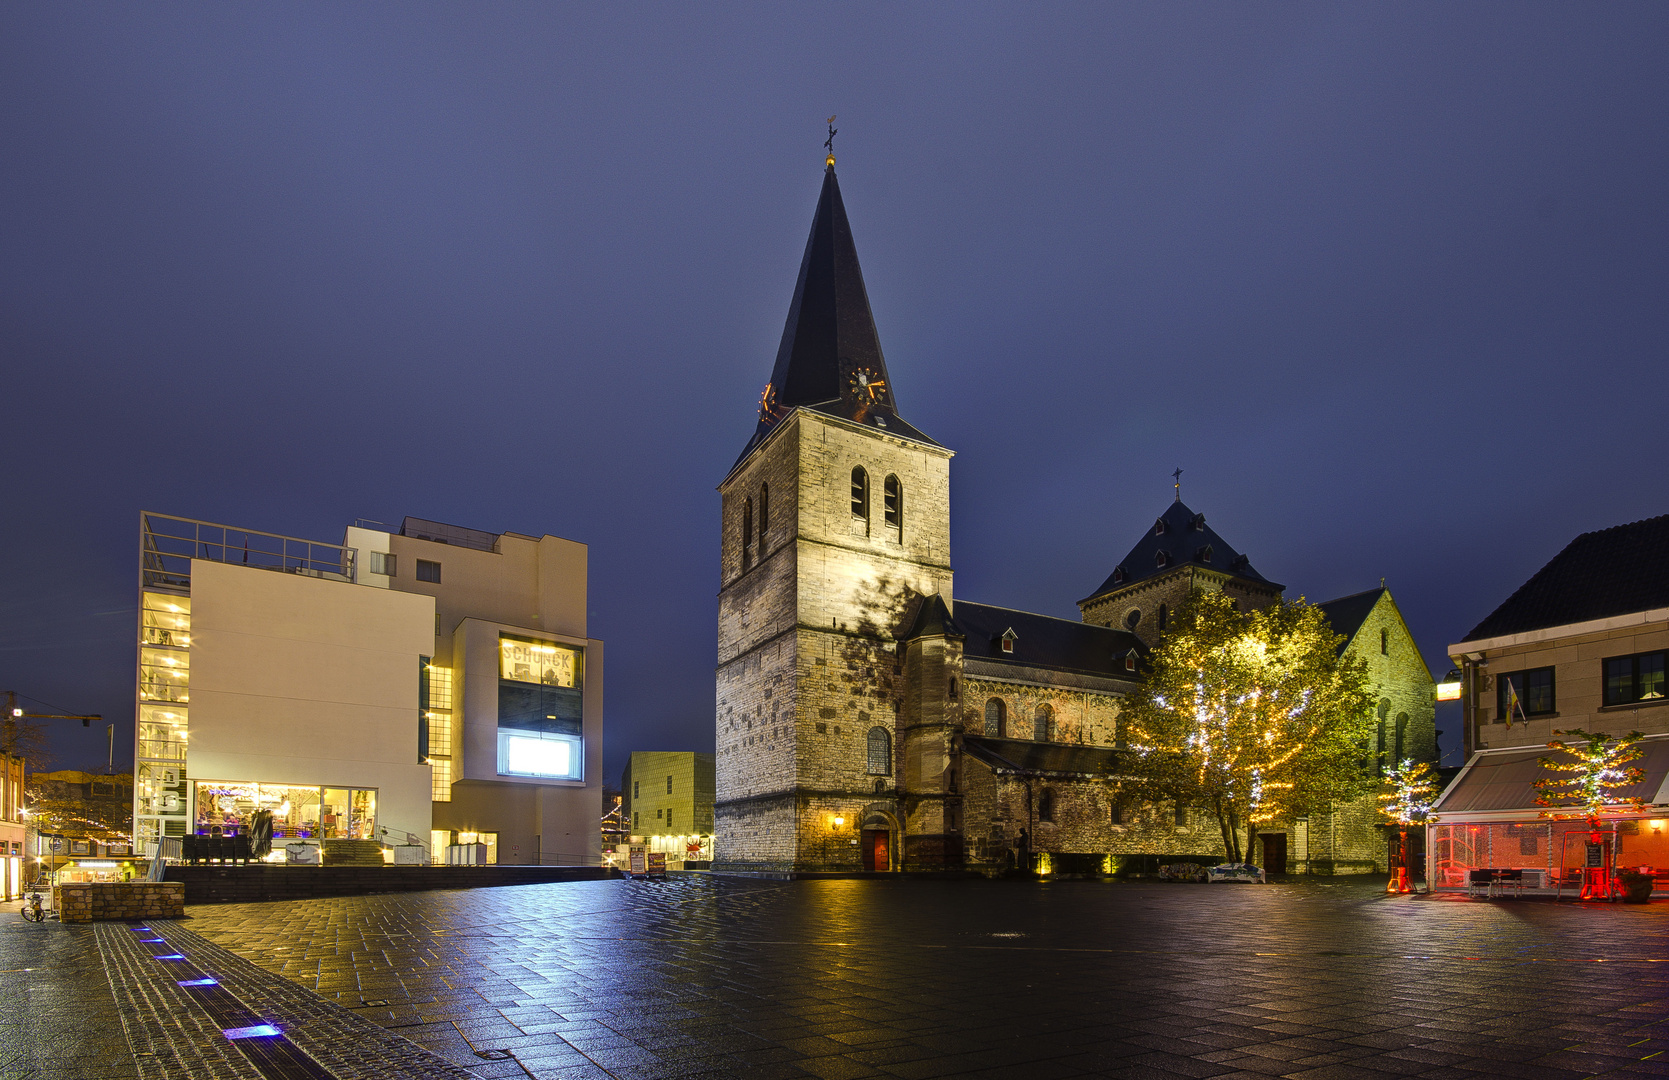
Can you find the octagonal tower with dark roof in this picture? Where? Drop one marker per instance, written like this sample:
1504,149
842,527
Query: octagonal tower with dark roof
1178,555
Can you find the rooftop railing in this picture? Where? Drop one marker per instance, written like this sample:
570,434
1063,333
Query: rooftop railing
168,544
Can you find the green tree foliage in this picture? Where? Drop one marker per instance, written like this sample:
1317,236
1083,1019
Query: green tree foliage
1251,717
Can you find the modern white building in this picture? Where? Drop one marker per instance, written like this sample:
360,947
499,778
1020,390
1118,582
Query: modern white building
429,686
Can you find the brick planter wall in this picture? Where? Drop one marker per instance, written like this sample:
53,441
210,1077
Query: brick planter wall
265,881
124,900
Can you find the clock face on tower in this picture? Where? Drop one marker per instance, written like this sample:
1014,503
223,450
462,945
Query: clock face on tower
867,387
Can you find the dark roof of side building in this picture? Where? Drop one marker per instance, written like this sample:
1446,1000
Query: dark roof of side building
1186,540
1042,758
830,336
1347,613
1615,571
1039,640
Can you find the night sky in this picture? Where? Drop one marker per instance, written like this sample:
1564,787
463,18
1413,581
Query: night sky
1389,282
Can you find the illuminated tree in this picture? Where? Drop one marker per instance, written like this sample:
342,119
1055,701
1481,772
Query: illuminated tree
1410,790
1589,776
1251,717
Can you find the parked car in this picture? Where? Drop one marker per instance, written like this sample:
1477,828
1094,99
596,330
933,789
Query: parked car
1236,872
1182,871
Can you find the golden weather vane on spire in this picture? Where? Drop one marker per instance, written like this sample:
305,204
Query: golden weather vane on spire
828,144
1177,476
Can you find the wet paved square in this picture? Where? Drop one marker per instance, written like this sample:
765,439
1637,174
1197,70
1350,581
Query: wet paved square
916,979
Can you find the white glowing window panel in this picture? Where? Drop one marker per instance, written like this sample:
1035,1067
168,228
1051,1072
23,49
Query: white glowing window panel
539,753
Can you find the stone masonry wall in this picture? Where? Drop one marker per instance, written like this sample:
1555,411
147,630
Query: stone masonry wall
1171,589
92,902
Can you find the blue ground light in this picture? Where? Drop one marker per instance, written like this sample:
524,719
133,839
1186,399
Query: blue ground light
256,1031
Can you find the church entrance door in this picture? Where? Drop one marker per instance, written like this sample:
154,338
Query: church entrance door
1274,853
875,855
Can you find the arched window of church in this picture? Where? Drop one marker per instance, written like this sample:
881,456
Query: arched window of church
1384,643
747,534
880,752
1043,723
764,515
996,718
1164,617
1402,735
860,494
892,503
1046,805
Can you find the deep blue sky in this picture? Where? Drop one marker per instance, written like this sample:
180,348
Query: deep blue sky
1390,282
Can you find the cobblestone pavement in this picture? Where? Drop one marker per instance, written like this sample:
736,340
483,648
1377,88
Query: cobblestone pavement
915,979
58,1020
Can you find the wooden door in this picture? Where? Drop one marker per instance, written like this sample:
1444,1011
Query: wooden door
1274,853
875,855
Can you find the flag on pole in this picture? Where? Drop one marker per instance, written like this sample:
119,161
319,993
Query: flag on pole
1514,705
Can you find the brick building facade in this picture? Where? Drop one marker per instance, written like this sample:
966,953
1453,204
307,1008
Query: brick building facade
865,720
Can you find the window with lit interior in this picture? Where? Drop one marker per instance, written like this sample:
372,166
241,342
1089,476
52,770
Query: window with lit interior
540,709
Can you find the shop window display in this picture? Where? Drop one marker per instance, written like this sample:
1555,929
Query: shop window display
298,813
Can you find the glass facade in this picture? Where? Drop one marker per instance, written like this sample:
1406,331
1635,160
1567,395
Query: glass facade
438,716
159,790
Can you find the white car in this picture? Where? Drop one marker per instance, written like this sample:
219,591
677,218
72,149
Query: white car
1236,872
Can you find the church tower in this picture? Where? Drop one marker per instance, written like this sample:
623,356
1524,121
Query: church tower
835,531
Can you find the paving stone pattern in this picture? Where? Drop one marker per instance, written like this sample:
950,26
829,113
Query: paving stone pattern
58,1020
913,979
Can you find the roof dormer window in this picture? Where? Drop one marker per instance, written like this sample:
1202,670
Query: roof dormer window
1198,523
1119,575
1161,558
1008,639
1159,527
1130,660
1203,554
1241,562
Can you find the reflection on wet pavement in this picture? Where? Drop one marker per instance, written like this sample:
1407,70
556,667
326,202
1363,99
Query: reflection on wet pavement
914,979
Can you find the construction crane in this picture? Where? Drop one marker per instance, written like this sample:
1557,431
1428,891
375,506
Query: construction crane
15,713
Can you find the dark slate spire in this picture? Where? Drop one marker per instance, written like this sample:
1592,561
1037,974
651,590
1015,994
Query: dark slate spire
830,358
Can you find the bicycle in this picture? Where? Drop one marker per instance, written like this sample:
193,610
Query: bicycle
32,910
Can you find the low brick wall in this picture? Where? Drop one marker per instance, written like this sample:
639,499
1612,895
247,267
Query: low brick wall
119,900
266,881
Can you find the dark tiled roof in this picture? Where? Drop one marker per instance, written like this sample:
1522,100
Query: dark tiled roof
1186,541
1045,641
1347,613
830,343
1614,571
1022,756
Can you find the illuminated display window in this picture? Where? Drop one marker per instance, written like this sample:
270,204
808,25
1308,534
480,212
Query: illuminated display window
543,662
539,753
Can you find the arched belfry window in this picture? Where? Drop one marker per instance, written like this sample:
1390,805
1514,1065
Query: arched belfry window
860,495
892,503
996,718
880,752
1043,723
764,517
747,534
